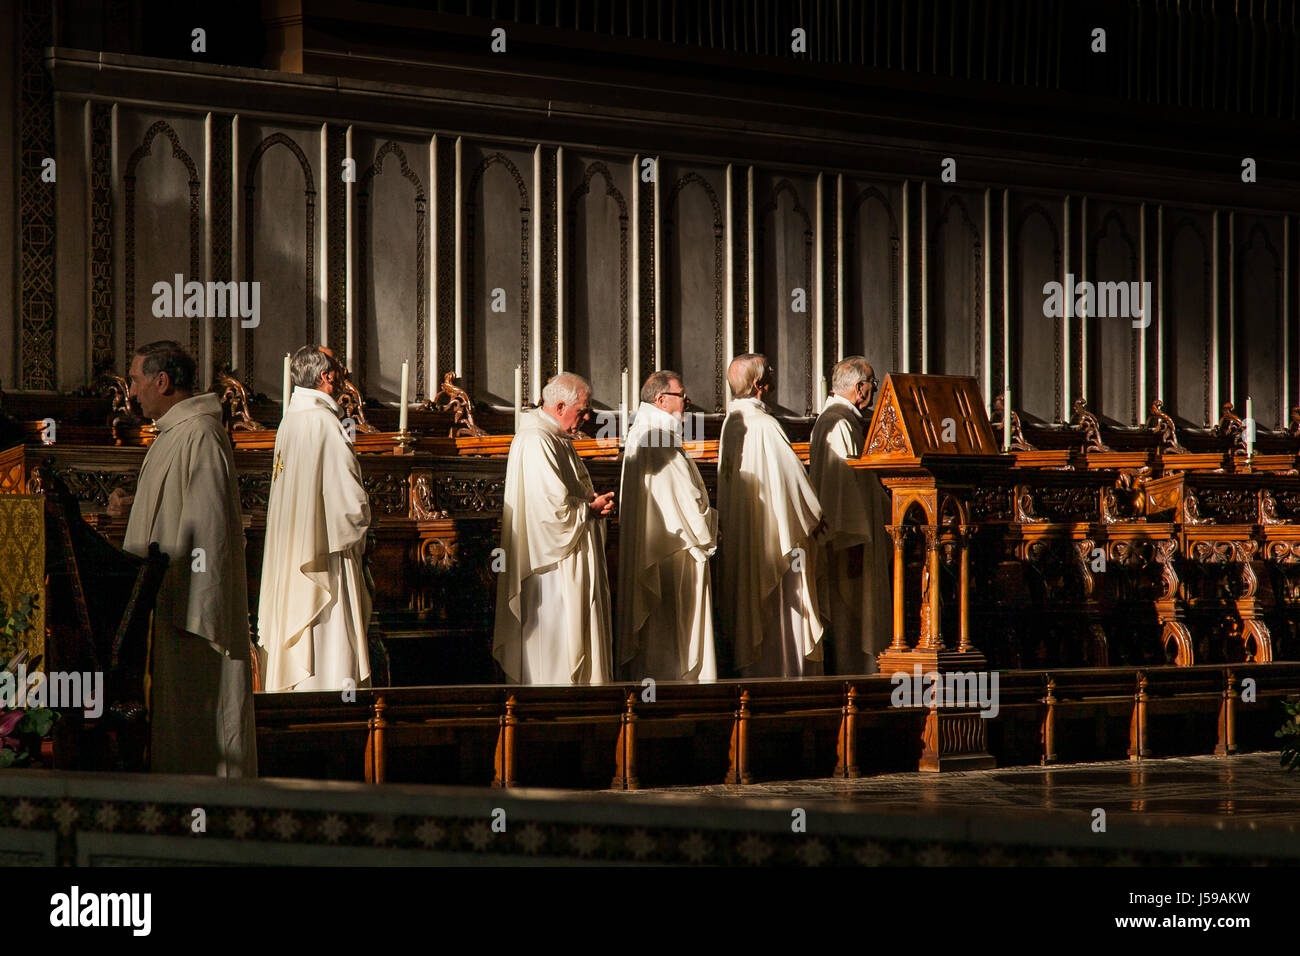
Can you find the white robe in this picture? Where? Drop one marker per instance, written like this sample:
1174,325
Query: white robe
314,605
856,600
552,614
667,531
767,568
201,692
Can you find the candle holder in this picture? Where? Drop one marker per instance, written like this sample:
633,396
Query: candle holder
403,442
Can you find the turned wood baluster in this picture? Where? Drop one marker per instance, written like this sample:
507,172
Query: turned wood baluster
847,752
625,749
738,772
1227,743
963,542
1049,722
899,533
1138,730
505,754
932,641
376,746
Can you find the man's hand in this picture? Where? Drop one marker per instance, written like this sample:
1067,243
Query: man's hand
603,504
119,503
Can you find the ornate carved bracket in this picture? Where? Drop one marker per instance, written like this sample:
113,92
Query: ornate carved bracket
451,397
1231,427
1159,422
234,402
1018,442
352,404
1091,426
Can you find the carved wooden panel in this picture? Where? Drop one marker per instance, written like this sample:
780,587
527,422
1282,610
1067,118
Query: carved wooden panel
955,273
499,219
1188,313
1112,257
692,281
785,288
1037,345
598,273
872,273
391,311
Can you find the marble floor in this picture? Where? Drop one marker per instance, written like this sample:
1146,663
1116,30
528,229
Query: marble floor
1250,791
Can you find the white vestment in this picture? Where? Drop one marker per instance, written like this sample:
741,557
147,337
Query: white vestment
767,568
552,615
853,568
667,530
187,501
314,605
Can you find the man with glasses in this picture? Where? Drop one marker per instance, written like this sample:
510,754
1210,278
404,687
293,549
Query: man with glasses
667,531
853,567
770,518
553,613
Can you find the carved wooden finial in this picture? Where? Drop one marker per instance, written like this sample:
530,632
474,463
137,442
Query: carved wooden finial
451,397
352,404
1230,426
1091,426
234,402
1159,422
1018,442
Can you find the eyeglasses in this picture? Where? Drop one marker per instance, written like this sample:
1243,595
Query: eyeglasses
674,394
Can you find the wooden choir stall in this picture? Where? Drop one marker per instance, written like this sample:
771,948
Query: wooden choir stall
1121,583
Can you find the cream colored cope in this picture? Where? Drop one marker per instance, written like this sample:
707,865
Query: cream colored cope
667,531
187,501
314,605
767,553
853,565
553,602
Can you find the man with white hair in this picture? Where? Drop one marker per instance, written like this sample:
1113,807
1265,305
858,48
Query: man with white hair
667,530
853,566
553,613
314,602
770,517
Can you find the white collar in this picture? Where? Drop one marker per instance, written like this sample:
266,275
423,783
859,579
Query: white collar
840,399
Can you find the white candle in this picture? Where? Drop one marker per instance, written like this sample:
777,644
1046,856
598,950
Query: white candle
825,394
624,400
1250,427
1006,421
402,409
519,394
284,407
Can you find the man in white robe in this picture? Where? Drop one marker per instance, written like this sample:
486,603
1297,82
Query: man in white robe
667,531
853,567
553,613
314,605
187,500
770,517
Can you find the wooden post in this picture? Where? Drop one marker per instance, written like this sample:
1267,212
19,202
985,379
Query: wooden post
963,597
898,532
1227,743
376,746
846,764
932,641
738,772
1138,731
625,749
1049,722
505,753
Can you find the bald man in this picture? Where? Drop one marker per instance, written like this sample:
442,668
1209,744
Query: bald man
769,519
553,603
853,567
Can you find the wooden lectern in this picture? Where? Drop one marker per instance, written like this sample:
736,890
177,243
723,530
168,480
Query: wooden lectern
929,442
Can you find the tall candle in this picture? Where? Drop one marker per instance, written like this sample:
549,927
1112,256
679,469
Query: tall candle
284,407
519,394
624,400
1250,427
402,409
825,394
1006,421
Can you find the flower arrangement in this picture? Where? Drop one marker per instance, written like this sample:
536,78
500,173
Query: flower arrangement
21,729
